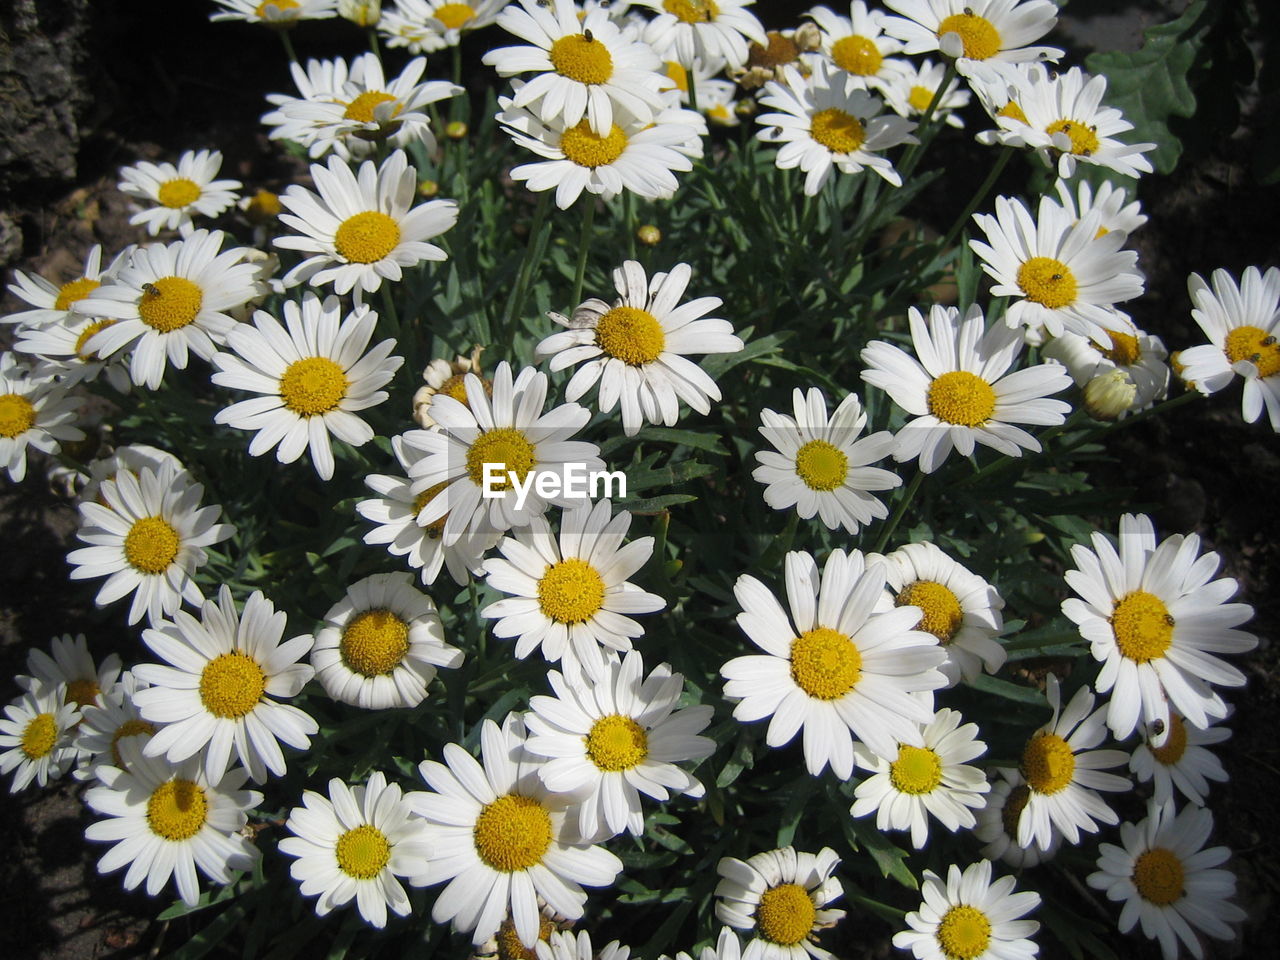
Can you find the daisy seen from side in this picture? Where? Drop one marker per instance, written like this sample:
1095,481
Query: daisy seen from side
36,735
1118,213
1180,762
61,350
706,30
449,377
114,717
997,824
912,88
1133,354
426,26
780,897
968,916
281,14
51,302
177,193
564,945
70,664
35,413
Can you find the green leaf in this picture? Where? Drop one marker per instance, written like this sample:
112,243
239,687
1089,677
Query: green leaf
890,858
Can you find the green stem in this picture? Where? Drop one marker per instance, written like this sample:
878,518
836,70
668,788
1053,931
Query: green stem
887,530
523,276
389,310
693,89
288,45
924,132
981,194
373,43
584,244
629,223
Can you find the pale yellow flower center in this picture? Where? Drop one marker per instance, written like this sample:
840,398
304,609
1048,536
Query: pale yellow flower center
917,770
1084,140
374,643
74,290
692,11
39,736
178,193
1048,282
17,415
857,55
821,465
361,108
177,809
366,237
1255,345
1159,876
362,852
454,15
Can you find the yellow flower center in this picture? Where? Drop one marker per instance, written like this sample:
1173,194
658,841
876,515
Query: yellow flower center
362,852
374,642
435,529
836,130
1142,625
151,545
509,945
456,387
264,9
1047,282
825,663
942,613
962,398
17,415
581,58
231,685
785,914
313,386
75,290
1013,111
964,933
1175,744
86,335
512,833
130,728
586,148
39,736
917,770
781,50
678,75
263,207
1256,346
82,692
506,447
981,39
616,743
632,335
1159,876
920,98
1084,140
821,465
857,55
177,809
1124,351
454,15
571,591
366,237
1048,763
170,303
361,108
692,11
179,192
1012,812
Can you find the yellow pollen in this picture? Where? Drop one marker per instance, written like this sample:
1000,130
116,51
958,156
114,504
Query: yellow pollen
1175,744
366,237
231,685
96,327
981,39
1012,812
1084,140
130,728
82,692
917,770
435,529
821,465
69,293
362,852
785,914
942,613
361,108
781,50
454,15
374,642
1124,350
151,545
177,809
962,398
586,148
578,58
313,386
1048,763
170,303
920,98
512,833
281,5
632,335
17,415
509,945
1047,282
456,387
178,193
616,743
264,207
508,448
692,11
678,75
963,933
825,663
836,130
1159,876
857,55
1256,346
1142,626
39,736
1013,111
571,591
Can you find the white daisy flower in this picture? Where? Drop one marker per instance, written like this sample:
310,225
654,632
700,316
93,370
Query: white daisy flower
34,412
1242,323
36,736
689,30
1064,772
222,689
857,44
61,350
845,664
178,193
381,644
1168,881
169,300
359,229
997,826
969,916
1139,356
564,945
147,537
112,718
508,839
508,434
1064,274
1181,761
425,26
354,844
133,457
84,682
637,347
443,376
958,390
912,88
1108,198
281,14
781,897
703,75
977,33
319,81
607,741
165,821
51,302
727,948
828,119
959,608
1158,624
313,379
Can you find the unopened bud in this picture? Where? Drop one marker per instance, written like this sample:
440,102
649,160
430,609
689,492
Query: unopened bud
455,130
363,13
1109,396
428,189
807,37
648,235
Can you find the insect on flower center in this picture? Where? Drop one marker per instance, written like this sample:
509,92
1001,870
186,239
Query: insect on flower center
362,852
86,335
964,933
582,58
366,237
1012,111
454,15
231,685
1142,626
1013,807
785,914
692,11
825,663
836,130
435,529
857,55
632,335
780,50
941,607
170,303
178,193
17,415
130,728
616,743
506,447
39,736
75,290
981,39
1159,876
961,398
920,98
1047,282
1124,350
1175,744
1048,763
374,642
1084,139
361,108
177,809
1257,346
571,591
917,770
313,386
586,148
512,833
509,945
151,545
821,465
82,692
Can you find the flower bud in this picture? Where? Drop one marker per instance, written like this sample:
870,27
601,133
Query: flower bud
1110,395
648,235
363,13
